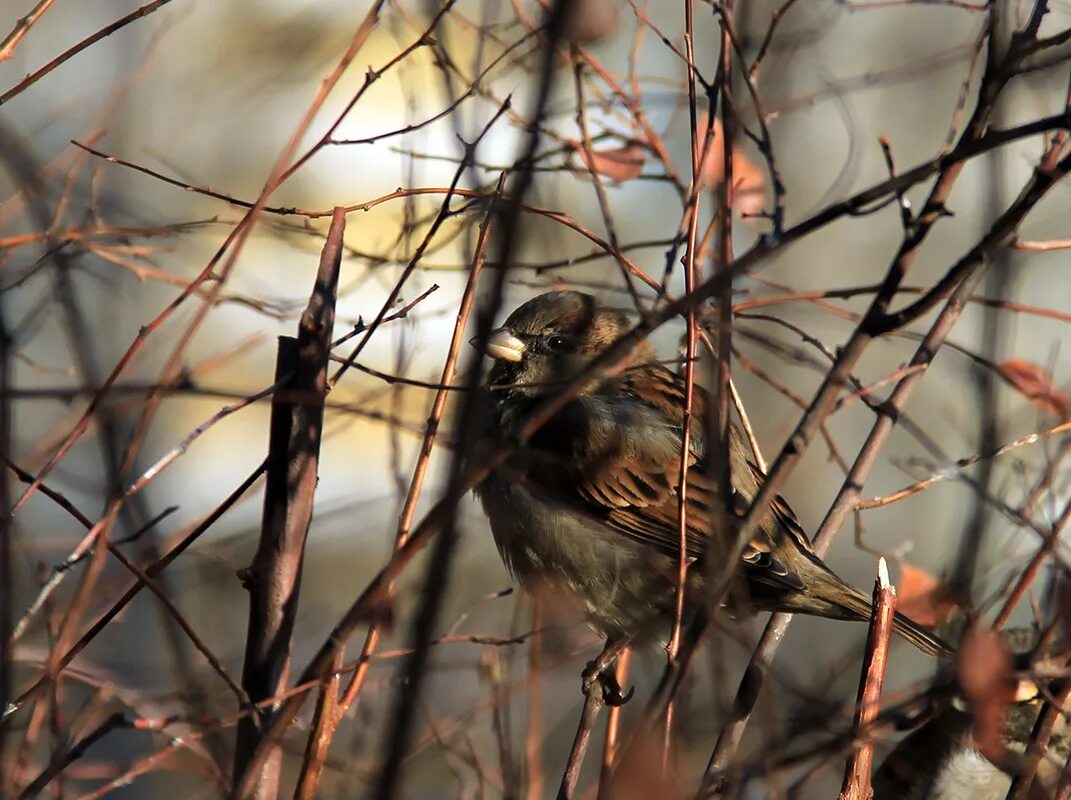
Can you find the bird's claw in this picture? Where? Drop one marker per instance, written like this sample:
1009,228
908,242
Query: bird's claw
595,673
612,695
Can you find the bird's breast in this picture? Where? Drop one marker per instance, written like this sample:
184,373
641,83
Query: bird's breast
968,775
549,546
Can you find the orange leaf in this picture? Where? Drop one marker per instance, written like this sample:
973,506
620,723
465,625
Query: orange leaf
748,195
749,185
922,597
983,665
1036,383
617,163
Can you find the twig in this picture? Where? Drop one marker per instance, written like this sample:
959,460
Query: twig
22,27
592,705
107,30
227,254
66,756
491,672
596,178
856,785
469,428
1030,571
692,276
443,214
1053,710
775,18
613,722
964,276
153,570
405,520
533,735
7,588
324,723
745,424
953,470
1041,247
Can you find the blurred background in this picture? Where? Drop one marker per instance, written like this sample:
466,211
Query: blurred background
209,94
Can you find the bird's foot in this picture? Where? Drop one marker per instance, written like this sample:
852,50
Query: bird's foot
598,673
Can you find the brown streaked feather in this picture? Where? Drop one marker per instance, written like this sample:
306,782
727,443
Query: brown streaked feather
635,491
659,525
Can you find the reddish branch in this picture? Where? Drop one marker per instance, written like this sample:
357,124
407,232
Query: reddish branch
533,735
7,591
233,244
613,723
324,722
63,657
692,276
856,785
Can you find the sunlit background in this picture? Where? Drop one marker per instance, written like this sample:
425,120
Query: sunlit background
209,94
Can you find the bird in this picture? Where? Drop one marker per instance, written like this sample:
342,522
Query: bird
940,760
587,505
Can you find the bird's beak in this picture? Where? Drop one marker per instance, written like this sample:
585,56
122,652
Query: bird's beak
502,345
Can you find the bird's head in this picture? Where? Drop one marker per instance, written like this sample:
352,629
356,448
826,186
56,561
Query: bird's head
547,340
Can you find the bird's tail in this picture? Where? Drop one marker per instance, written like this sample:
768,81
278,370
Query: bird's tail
924,639
848,602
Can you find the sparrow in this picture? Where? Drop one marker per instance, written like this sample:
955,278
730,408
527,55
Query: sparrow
587,506
940,760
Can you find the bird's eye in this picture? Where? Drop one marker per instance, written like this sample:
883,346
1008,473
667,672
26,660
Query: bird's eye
559,343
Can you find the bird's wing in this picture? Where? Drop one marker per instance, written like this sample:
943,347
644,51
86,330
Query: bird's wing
659,524
624,468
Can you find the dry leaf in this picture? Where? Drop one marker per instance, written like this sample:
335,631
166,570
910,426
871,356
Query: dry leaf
922,597
748,194
588,21
749,185
617,163
983,665
1036,383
